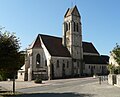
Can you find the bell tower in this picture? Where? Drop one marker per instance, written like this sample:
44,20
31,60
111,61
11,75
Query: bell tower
72,37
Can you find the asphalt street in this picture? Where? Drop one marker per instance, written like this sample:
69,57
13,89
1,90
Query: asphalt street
62,85
76,87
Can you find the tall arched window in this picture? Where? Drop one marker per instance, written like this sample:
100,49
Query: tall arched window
69,25
74,26
66,27
57,63
77,27
38,60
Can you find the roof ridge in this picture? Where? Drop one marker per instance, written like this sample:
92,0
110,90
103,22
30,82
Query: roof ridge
50,36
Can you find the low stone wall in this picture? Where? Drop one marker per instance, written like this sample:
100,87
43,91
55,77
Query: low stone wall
118,80
112,79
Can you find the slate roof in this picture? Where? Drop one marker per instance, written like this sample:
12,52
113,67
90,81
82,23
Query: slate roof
37,43
88,59
54,46
88,47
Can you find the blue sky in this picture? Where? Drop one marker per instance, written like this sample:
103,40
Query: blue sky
28,18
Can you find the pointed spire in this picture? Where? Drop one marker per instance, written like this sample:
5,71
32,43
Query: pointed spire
72,11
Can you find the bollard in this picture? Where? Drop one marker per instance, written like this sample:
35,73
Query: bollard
100,80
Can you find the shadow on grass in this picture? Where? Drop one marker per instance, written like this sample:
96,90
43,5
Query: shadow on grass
54,95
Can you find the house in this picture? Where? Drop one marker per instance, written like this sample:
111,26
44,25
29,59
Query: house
50,57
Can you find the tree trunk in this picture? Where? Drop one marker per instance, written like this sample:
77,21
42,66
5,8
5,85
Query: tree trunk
14,84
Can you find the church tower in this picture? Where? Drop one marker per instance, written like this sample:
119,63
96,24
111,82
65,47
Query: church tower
72,37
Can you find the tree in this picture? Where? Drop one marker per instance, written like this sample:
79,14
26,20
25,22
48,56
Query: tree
116,53
111,68
10,57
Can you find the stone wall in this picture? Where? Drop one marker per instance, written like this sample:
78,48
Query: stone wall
58,70
112,79
96,69
118,80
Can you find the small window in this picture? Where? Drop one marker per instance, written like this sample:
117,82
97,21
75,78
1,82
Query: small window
63,65
77,27
69,26
57,63
20,73
89,66
66,27
74,26
38,60
45,62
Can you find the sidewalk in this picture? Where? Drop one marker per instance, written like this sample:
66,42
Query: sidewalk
8,85
54,88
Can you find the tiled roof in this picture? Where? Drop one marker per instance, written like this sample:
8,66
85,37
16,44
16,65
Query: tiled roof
37,43
88,47
88,59
54,46
106,58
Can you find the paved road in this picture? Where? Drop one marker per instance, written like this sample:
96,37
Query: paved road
79,87
60,85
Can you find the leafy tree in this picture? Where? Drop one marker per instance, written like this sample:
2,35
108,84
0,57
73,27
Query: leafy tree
116,53
10,57
111,68
9,52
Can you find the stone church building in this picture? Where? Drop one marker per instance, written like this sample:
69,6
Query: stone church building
50,57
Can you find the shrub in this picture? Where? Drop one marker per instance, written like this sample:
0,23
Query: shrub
38,80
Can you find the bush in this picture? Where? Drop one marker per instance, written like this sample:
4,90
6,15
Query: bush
1,79
38,80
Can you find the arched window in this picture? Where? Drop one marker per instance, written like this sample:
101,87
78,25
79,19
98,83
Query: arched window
38,60
45,62
69,25
57,63
66,27
77,27
74,26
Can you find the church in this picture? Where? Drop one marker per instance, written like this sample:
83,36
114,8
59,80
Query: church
51,57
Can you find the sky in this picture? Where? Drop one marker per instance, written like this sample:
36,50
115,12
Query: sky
28,18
